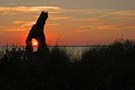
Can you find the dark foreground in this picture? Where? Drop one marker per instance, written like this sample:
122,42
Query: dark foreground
100,68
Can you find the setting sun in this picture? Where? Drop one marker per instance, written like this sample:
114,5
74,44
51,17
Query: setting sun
34,42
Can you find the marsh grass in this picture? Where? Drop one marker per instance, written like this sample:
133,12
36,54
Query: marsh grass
101,68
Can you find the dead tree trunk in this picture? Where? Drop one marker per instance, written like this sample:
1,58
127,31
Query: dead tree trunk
37,32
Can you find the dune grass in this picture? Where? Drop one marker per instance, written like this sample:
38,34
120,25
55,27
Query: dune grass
100,68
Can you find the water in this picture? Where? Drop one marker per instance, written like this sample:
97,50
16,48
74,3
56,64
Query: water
74,52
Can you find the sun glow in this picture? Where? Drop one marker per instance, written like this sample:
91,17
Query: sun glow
34,43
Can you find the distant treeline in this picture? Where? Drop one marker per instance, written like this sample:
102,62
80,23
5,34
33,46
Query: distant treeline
99,68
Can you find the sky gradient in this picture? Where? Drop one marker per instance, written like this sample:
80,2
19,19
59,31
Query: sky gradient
70,22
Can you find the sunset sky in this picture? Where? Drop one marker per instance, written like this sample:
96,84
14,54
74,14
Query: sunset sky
70,22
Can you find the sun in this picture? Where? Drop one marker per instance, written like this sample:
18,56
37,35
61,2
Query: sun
34,43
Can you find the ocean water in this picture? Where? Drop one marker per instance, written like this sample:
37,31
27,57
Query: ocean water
74,52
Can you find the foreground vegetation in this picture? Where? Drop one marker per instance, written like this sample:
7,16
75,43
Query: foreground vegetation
100,68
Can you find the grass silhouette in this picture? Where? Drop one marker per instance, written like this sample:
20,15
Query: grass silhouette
101,68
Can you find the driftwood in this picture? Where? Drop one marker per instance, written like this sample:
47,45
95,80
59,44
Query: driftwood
37,32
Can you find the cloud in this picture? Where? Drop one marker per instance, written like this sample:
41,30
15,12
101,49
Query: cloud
11,29
81,20
105,4
22,26
107,27
50,9
28,23
60,18
110,20
19,22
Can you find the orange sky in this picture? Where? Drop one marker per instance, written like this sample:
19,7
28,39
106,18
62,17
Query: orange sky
77,26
